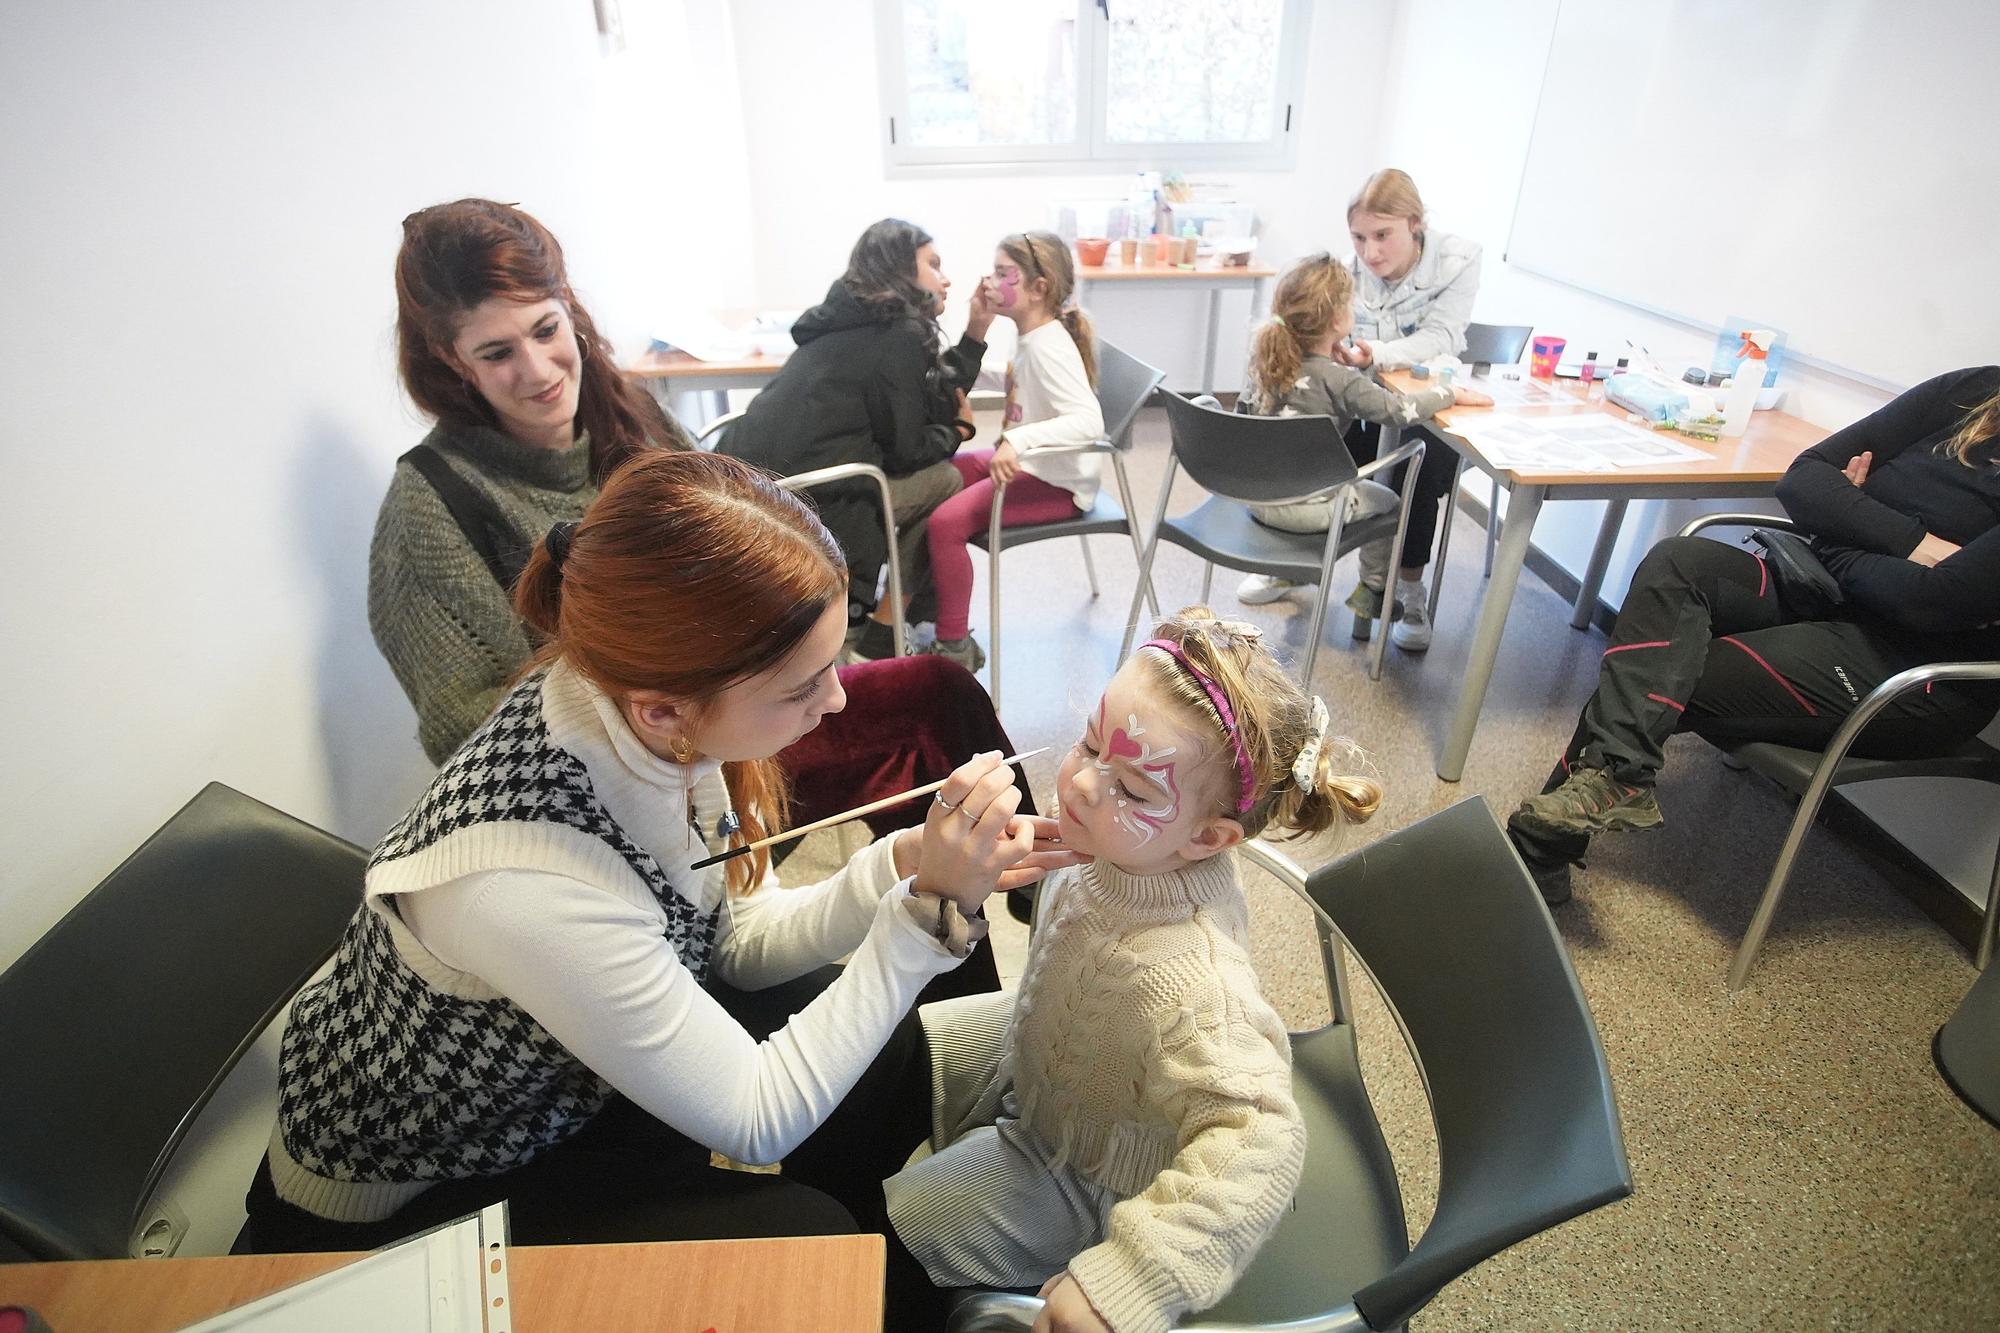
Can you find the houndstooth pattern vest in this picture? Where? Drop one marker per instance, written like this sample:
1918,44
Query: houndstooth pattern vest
384,1077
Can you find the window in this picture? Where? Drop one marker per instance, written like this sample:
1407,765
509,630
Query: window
1186,82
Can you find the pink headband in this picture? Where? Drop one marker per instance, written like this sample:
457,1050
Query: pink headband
1248,792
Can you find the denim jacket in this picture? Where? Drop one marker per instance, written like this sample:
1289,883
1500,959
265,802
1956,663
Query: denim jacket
1425,314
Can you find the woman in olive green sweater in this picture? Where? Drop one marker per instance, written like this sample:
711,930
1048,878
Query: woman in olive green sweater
532,414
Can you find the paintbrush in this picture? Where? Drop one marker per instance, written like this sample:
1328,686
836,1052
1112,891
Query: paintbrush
856,813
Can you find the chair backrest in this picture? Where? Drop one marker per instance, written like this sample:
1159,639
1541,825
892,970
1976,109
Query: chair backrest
1124,383
1449,923
1256,460
1495,344
117,1026
709,437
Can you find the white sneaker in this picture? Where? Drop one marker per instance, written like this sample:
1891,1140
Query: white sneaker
1257,589
1413,632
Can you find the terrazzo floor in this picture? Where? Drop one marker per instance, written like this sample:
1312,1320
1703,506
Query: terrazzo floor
1798,1162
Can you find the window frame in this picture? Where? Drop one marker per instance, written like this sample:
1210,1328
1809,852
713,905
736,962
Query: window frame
1092,150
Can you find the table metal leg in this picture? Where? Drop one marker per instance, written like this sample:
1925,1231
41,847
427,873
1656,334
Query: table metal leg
1600,560
1214,335
1522,506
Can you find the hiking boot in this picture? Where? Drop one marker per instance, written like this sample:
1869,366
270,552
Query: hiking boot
1589,801
1413,629
966,652
1257,589
1366,604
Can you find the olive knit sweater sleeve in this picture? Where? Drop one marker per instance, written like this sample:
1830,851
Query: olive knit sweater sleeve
446,627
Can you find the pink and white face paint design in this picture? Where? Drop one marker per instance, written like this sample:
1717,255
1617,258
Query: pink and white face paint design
1005,285
1142,820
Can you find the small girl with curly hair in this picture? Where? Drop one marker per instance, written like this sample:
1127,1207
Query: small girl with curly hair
1124,1133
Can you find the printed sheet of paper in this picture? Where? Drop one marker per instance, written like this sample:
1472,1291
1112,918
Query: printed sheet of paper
1592,442
450,1280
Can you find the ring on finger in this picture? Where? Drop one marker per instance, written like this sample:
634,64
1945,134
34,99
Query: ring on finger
949,805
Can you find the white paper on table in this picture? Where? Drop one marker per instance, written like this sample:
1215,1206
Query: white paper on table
1625,444
450,1280
704,337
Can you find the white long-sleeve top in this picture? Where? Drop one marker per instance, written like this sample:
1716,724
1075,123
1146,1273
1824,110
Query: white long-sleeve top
589,960
1050,404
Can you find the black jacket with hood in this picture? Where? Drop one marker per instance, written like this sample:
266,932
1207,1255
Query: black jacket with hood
863,387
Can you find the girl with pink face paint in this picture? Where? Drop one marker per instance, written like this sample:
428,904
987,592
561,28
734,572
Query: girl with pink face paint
1122,1130
1051,410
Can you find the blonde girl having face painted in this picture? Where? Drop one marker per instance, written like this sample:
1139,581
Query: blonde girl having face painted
1051,407
1294,371
1124,1134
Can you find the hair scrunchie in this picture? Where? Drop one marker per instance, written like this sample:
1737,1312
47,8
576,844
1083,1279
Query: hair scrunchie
558,542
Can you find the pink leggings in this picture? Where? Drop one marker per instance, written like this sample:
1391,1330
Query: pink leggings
1029,500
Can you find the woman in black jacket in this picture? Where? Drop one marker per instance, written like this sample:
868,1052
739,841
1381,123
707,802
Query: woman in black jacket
868,384
1903,508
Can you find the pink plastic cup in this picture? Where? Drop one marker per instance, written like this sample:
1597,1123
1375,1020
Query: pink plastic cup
1545,355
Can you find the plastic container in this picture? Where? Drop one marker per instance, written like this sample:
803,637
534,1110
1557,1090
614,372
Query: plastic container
1739,400
1544,355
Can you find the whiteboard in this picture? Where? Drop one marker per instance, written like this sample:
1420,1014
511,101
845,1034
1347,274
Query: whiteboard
1865,223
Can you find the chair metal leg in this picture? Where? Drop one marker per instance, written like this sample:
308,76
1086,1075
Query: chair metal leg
1809,803
1449,506
1492,524
1152,548
993,594
1989,928
1380,648
1207,581
1132,524
1089,569
1329,556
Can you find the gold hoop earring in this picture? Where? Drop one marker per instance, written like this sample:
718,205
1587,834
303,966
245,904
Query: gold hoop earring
583,345
682,749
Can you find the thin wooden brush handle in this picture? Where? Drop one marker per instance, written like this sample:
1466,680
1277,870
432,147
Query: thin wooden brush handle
841,818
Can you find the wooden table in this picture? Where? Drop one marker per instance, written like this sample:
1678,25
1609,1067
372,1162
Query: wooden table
1746,467
1206,275
673,372
830,1283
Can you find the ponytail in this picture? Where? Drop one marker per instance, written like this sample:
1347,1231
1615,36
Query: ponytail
1085,338
1310,299
1275,360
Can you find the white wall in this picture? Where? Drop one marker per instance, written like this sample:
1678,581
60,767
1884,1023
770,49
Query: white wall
817,175
1462,92
202,207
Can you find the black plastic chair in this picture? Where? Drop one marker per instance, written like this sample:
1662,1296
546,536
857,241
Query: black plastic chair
1124,383
1244,460
1447,921
1490,345
1967,1047
1811,774
118,1025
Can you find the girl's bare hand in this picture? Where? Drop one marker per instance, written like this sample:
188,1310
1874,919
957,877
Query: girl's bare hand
1857,467
1049,853
1464,397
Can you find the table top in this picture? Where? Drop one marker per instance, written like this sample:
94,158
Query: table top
1206,270
831,1283
677,364
1761,454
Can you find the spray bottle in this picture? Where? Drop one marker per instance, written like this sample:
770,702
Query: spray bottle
1740,399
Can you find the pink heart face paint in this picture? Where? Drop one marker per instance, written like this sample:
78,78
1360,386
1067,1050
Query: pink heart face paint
1005,284
1143,820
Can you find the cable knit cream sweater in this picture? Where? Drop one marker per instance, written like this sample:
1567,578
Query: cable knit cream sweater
1141,1048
